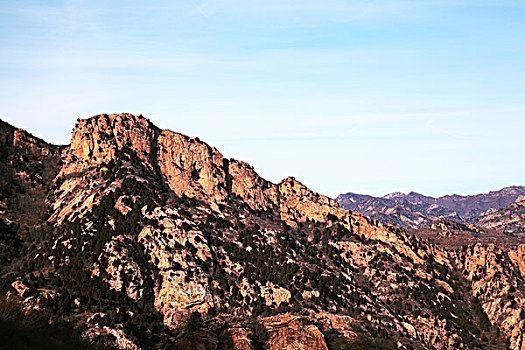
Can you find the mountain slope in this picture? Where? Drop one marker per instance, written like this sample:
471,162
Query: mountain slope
28,166
454,235
157,241
509,219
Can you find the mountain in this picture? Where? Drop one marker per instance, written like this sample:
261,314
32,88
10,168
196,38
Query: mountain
414,210
145,238
510,218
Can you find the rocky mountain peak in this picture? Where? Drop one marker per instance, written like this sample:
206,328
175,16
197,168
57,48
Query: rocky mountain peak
98,139
189,167
394,195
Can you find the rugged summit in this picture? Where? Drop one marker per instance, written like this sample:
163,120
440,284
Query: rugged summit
149,238
189,167
414,210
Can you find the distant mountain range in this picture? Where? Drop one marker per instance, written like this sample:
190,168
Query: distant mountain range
414,210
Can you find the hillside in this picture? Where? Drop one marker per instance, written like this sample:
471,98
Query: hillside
454,235
510,218
147,238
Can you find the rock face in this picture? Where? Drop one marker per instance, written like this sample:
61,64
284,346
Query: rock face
97,140
152,239
243,182
18,138
240,339
190,167
293,333
414,210
298,203
517,256
491,272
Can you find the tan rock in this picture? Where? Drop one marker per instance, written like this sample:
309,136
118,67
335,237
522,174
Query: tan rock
517,256
292,333
238,338
247,184
202,339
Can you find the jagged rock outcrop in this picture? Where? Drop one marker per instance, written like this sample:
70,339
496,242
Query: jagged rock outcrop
188,166
18,138
494,283
191,167
298,203
293,333
243,182
517,256
97,140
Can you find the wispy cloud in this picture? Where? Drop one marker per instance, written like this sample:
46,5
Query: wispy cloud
393,86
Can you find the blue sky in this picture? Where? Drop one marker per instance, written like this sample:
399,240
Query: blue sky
362,96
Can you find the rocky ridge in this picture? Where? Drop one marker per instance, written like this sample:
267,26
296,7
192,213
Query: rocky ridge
190,167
